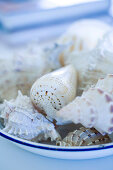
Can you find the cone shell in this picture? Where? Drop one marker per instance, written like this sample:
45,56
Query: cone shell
93,109
22,120
84,137
54,90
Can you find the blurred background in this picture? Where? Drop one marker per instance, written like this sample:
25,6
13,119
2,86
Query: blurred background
24,21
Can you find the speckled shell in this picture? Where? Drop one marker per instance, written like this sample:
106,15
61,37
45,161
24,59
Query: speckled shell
84,137
22,120
54,90
19,71
94,108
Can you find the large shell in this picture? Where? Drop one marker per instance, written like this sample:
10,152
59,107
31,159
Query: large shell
84,137
95,64
22,120
19,71
85,34
54,90
82,36
94,108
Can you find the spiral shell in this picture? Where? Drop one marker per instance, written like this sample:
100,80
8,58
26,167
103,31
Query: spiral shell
82,36
22,120
54,90
84,137
94,64
93,109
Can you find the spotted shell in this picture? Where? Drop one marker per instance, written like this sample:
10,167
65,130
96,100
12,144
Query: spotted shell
22,120
84,137
53,91
93,109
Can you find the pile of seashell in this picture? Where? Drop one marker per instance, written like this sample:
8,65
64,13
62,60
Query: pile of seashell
69,82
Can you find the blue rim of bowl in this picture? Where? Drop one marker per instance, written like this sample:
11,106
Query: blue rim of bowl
51,147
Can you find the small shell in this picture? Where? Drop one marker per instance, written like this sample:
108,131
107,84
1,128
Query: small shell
54,90
22,120
84,137
93,109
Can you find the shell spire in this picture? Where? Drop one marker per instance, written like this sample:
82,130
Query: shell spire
54,90
94,108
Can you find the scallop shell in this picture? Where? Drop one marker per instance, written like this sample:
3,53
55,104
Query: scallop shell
93,109
22,120
53,91
20,70
84,137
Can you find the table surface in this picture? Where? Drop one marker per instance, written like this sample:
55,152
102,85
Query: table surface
14,158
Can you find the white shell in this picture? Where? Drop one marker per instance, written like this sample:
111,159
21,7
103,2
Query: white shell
20,71
85,34
95,64
22,120
93,109
82,36
54,90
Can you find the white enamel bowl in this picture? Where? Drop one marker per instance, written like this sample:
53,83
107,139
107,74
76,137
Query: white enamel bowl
82,152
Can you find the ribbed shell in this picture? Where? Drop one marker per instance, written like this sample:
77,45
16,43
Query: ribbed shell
94,64
94,108
82,36
54,90
84,137
22,120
